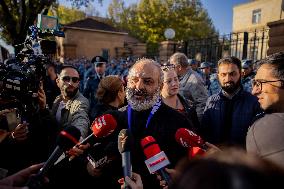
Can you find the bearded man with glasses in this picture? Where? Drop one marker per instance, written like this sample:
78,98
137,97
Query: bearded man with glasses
266,136
70,108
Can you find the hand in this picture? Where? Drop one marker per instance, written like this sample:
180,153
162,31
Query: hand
135,182
5,111
163,183
20,178
95,172
41,98
3,134
77,150
20,132
212,148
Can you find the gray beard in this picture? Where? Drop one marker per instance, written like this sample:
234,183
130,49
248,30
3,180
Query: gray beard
140,105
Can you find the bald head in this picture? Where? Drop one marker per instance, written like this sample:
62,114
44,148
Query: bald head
144,84
148,67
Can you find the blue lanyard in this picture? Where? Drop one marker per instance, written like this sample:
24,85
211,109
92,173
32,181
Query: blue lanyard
153,111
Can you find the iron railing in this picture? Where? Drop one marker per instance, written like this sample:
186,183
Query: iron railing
244,45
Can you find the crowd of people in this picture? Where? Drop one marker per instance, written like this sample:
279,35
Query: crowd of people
238,110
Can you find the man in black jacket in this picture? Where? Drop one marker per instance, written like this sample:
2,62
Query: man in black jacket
146,115
229,113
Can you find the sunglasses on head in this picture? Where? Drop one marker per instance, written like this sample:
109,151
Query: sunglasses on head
68,78
167,67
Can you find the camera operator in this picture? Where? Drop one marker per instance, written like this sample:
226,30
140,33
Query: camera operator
25,139
50,87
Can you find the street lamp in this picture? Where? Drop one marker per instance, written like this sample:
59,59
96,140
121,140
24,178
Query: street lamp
170,34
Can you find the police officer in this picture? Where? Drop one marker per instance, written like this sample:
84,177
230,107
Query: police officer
210,79
93,78
247,75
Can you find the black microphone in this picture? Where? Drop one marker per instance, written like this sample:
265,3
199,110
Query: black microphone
101,127
125,142
65,140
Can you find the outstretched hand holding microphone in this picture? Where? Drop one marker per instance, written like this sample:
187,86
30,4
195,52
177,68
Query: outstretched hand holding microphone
101,127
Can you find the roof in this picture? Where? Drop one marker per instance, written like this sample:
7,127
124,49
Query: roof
93,24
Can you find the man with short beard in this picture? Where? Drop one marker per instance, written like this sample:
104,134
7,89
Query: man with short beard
147,115
229,113
71,107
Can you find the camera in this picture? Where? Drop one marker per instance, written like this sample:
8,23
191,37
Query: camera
21,77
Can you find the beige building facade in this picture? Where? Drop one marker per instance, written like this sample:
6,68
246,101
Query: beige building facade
256,14
250,22
90,37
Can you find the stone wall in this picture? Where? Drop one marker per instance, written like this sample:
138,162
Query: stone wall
242,14
166,49
276,37
89,43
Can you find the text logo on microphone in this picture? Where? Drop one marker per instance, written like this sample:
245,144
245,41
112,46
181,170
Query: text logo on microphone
104,125
184,143
122,138
100,122
157,162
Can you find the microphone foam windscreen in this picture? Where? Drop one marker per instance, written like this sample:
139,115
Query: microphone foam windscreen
124,141
104,125
68,137
188,138
150,146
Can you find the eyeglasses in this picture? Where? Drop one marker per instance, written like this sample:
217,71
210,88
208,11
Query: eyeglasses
258,83
68,78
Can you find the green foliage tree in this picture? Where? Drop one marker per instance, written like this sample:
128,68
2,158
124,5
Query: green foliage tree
17,15
148,20
67,15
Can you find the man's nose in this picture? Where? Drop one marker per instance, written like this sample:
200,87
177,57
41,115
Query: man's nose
70,83
139,84
227,78
255,90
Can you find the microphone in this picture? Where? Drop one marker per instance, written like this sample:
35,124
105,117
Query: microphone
65,140
125,142
156,159
102,126
188,138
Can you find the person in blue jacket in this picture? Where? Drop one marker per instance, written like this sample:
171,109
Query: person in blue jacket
229,113
93,78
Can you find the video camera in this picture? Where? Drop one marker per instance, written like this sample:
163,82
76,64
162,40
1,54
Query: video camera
20,77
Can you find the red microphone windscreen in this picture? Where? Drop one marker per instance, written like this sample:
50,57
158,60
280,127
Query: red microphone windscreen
104,125
150,147
188,138
68,137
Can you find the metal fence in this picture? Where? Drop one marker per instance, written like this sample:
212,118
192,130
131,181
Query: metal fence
244,45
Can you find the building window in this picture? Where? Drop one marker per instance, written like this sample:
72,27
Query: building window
256,16
105,53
